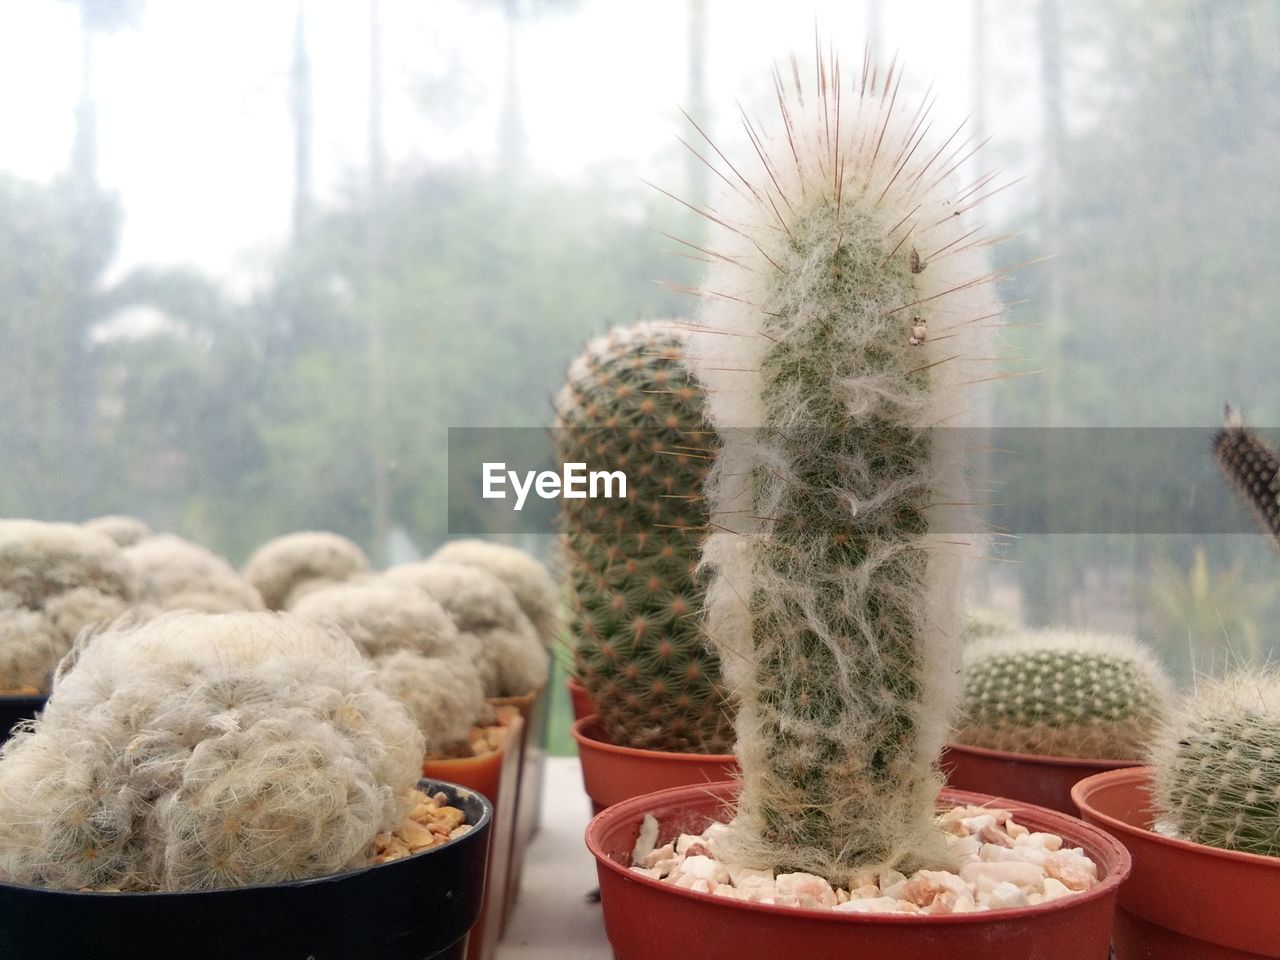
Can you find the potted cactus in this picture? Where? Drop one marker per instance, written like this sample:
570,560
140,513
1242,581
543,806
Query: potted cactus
176,574
636,599
56,579
230,785
844,322
284,569
1044,709
423,661
535,591
1203,820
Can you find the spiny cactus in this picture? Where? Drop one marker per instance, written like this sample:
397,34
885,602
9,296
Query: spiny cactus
1252,467
204,751
420,657
176,574
524,576
124,530
1060,693
843,320
1217,763
508,653
630,404
281,566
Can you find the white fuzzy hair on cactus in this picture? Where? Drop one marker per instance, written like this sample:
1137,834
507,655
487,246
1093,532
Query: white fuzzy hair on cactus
511,659
421,658
204,751
847,313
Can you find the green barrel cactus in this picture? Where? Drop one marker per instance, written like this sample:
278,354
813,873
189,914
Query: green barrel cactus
1059,693
844,322
635,596
1217,764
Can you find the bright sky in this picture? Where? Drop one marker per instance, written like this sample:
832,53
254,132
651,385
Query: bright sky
194,128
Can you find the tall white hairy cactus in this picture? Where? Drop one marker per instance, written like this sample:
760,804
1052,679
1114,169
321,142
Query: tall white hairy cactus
846,315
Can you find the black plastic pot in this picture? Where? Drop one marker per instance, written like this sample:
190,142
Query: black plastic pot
412,909
15,707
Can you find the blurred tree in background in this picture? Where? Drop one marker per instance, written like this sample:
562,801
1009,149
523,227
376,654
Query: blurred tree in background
230,417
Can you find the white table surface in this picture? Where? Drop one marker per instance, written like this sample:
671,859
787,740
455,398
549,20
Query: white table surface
554,920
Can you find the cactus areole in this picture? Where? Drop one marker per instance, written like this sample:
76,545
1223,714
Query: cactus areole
845,321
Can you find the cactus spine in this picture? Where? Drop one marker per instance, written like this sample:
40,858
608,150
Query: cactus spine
1217,764
1065,694
843,319
636,601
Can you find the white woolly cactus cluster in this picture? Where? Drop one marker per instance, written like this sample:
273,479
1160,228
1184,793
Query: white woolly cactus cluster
290,563
525,577
420,656
1217,763
124,530
508,654
1063,693
845,316
56,580
205,751
176,574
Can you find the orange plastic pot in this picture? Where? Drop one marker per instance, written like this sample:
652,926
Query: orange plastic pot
646,919
611,773
1032,778
495,776
580,699
528,796
1184,900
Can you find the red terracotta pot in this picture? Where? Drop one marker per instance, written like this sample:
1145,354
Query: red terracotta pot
1185,901
1031,778
611,773
650,920
580,699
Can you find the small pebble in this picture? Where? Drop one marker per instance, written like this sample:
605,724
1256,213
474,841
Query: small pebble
1003,864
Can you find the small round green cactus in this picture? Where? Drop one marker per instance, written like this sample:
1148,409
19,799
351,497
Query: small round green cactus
205,751
1217,764
286,564
630,404
1060,693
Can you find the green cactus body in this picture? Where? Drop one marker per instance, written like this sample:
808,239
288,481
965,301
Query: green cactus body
1217,764
636,602
1059,693
844,319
